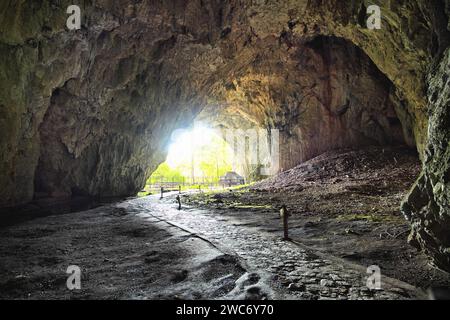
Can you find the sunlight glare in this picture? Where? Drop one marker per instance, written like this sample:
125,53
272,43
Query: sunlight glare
185,142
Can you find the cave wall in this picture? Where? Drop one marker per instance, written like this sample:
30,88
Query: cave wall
327,94
344,101
91,111
427,206
100,102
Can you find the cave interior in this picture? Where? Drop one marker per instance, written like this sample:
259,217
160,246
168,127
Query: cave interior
361,116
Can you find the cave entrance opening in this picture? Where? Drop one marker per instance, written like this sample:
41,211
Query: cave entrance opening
197,158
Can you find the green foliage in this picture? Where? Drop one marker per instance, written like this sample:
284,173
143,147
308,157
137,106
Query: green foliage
168,173
214,158
208,161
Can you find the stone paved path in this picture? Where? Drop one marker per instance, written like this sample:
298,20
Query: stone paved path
292,268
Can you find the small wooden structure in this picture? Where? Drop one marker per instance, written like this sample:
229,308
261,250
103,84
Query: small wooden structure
231,178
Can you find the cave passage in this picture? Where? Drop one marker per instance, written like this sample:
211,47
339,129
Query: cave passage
153,147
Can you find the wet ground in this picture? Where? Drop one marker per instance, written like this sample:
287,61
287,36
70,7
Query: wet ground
227,245
147,249
121,256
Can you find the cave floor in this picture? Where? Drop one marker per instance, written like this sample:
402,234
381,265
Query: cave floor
343,203
227,245
147,249
122,254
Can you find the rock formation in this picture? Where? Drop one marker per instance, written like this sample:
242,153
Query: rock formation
91,111
428,204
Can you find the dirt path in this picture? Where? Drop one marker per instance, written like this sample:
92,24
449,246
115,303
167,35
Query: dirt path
304,273
344,204
146,249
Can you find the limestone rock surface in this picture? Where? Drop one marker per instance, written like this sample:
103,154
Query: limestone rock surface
91,111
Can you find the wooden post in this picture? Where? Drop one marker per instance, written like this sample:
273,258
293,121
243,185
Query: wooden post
179,202
284,214
179,189
162,192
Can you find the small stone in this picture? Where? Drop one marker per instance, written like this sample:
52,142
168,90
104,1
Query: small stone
313,288
308,296
296,287
343,283
335,277
326,283
310,280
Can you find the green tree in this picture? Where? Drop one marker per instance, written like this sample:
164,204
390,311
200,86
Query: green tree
211,161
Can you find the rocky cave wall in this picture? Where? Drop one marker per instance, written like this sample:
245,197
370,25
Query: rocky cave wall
90,111
427,206
327,94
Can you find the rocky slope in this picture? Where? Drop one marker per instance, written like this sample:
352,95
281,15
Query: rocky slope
90,111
